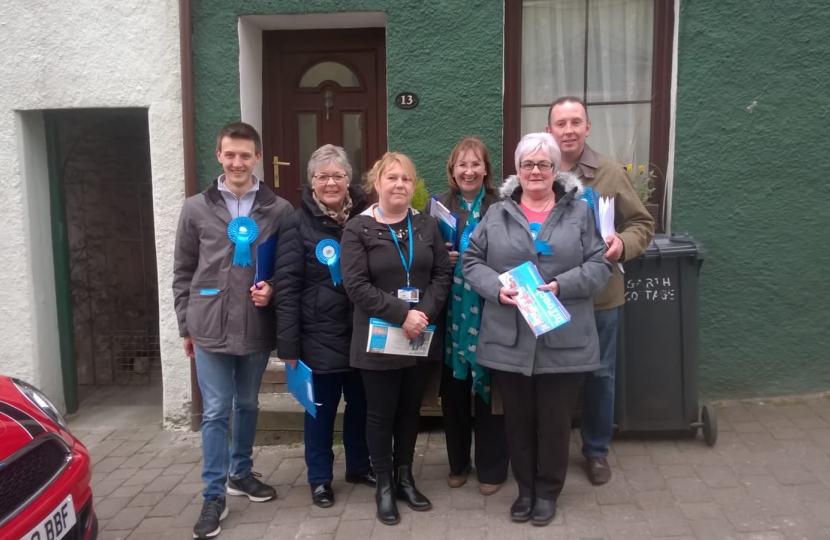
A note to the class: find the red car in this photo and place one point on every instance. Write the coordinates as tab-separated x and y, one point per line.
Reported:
44	470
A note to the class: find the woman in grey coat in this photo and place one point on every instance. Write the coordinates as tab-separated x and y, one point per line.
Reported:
538	378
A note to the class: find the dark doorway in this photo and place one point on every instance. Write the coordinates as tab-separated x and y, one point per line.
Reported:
100	165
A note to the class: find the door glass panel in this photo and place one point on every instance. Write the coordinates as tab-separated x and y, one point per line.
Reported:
329	71
307	135
353	142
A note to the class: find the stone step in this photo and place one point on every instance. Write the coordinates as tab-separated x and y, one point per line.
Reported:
273	380
282	419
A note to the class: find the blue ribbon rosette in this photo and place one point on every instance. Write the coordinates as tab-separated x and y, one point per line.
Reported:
328	253
242	231
465	237
542	248
591	197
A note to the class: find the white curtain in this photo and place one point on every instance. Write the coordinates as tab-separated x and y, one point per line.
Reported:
619	63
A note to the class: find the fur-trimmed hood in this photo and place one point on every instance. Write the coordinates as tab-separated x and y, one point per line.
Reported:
567	181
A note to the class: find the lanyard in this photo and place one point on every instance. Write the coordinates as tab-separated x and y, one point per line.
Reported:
406	266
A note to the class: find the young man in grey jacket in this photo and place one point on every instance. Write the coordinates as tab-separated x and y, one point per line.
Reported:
226	318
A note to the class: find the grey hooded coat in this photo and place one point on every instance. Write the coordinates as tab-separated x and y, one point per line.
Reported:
501	242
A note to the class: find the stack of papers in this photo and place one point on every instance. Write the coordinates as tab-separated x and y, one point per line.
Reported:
385	338
447	222
541	309
605	221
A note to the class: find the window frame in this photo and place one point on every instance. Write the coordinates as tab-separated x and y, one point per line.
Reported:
661	82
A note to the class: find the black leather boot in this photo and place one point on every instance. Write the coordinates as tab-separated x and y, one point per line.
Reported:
521	509
385	499
406	490
543	512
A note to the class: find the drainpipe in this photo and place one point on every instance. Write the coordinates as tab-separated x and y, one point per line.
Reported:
190	184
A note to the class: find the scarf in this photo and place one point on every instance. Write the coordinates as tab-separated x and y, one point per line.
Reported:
464	319
340	216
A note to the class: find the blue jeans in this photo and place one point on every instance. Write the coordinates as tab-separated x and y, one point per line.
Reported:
319	432
598	406
225	381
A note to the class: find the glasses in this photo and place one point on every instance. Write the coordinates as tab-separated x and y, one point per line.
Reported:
529	165
324	178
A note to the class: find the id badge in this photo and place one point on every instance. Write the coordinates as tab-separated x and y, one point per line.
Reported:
409	294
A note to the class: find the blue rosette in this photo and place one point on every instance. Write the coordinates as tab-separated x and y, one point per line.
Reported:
542	248
242	231
464	241
591	197
328	253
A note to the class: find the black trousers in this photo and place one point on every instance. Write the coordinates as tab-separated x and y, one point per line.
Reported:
491	459
537	416
393	413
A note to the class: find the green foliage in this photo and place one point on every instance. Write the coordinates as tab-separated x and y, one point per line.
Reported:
421	195
642	180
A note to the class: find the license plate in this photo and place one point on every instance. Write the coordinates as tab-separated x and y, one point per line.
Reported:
56	525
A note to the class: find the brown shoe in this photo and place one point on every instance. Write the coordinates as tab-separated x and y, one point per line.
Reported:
488	489
456	481
599	472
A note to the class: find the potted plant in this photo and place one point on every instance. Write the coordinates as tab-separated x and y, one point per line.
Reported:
642	180
420	195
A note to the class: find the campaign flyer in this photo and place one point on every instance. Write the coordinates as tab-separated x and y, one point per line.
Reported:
385	338
541	309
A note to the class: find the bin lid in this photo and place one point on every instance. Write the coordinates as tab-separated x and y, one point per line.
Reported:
676	245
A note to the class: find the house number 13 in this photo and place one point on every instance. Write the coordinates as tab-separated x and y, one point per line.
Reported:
406	100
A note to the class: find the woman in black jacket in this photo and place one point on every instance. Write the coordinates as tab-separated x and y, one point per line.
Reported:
314	318
470	179
395	268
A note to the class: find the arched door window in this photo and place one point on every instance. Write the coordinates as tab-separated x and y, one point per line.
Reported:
329	71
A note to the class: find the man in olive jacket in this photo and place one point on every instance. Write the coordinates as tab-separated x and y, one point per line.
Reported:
569	125
225	318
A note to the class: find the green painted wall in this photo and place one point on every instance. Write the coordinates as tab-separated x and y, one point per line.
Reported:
449	53
751	168
745	175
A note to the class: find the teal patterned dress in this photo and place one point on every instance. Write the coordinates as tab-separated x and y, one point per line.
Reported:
464	316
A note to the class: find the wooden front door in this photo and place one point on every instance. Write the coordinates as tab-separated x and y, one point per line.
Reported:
321	87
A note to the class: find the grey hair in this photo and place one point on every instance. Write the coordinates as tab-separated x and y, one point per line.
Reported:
534	142
328	153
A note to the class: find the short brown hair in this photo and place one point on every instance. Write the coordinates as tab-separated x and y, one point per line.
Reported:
239	130
480	150
389	159
567	99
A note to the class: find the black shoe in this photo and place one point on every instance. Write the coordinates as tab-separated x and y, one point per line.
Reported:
521	509
368	479
322	495
543	512
599	472
385	500
406	491
213	511
251	487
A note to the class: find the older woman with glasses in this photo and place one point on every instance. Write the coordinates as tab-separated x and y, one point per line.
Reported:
314	318
540	219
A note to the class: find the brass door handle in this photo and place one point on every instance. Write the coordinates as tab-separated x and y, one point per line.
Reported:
277	164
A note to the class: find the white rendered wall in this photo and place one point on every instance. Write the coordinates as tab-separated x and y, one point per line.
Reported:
43	365
83	54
